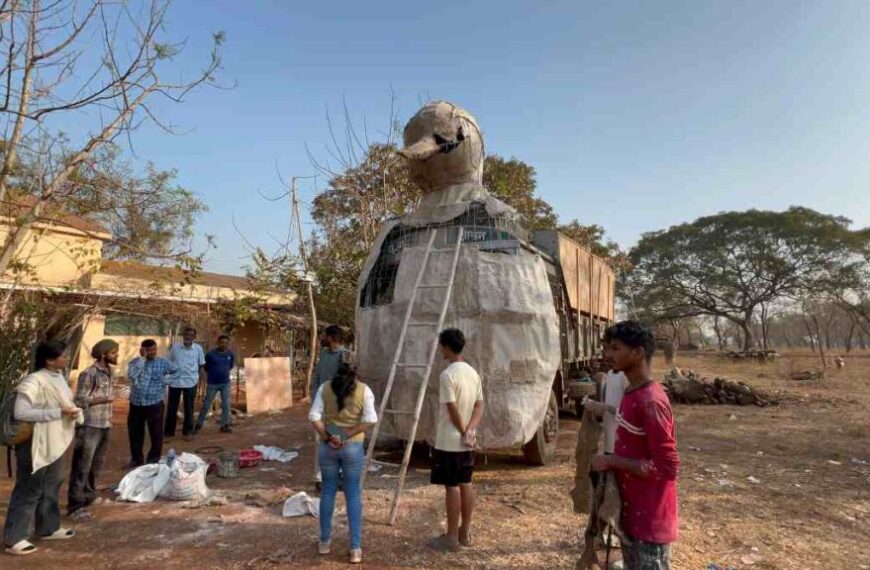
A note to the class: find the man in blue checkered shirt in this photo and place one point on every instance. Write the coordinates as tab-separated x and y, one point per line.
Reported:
148	376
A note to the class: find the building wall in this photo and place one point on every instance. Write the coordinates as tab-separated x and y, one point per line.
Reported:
55	256
94	332
248	340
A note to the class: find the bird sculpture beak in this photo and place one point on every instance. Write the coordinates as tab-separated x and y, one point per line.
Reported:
423	149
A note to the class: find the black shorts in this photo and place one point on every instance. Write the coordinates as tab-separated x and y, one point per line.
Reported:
452	468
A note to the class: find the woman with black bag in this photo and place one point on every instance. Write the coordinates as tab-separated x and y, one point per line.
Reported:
44	399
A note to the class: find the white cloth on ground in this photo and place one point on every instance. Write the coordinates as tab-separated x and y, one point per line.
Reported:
273	453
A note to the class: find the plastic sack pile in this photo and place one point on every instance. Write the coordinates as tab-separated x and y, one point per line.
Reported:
184	480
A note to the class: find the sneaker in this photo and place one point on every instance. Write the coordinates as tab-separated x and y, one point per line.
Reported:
356	556
226	429
323	548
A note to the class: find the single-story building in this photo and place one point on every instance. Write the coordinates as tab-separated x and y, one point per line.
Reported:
129	301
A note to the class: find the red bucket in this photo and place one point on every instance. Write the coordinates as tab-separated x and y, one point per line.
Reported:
249	458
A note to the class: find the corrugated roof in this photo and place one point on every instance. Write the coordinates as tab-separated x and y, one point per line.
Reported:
138	270
20	205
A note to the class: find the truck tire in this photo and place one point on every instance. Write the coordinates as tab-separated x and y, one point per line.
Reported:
541	449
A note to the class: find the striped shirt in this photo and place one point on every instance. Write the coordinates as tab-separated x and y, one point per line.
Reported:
95	382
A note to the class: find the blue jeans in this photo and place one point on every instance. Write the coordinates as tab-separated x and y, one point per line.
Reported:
210	392
345	464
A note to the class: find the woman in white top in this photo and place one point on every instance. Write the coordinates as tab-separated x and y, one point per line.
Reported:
45	400
342	411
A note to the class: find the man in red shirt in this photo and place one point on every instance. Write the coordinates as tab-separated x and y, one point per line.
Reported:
645	457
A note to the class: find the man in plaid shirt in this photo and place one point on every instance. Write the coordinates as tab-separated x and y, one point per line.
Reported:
148	376
94	396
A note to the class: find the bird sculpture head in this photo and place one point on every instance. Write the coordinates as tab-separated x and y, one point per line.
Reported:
444	147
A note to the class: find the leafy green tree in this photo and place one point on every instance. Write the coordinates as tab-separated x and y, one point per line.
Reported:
513	181
729	264
150	216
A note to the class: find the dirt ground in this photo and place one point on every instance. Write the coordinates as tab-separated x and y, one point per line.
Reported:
810	506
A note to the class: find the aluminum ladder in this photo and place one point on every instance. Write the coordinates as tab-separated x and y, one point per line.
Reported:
397	363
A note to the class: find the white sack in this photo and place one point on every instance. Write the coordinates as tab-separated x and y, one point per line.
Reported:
300	505
143	484
187	479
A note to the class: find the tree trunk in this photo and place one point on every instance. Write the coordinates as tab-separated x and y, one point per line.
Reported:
765	326
748	340
719	340
809	332
849	337
822	354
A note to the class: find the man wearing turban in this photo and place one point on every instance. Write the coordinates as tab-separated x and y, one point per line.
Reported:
94	396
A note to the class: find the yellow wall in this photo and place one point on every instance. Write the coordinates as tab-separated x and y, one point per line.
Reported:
94	332
245	341
55	255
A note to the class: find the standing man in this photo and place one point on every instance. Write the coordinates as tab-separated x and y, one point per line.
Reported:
94	396
148	376
645	457
332	354
461	408
189	361
218	363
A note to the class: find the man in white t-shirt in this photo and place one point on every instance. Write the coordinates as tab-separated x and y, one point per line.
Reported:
460	410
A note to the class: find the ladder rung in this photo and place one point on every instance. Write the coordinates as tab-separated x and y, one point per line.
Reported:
438	286
412	365
399	412
423	324
443	249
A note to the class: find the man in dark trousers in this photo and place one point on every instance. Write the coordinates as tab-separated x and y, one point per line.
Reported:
94	395
218	364
189	362
148	376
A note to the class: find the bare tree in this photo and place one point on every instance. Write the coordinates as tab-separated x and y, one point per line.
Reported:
100	60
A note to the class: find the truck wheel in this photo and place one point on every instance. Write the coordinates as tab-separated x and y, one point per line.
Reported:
542	448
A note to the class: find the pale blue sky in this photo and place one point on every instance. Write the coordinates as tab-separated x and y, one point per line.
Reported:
636	115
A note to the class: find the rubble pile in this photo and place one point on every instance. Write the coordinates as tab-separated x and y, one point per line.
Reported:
687	387
761	355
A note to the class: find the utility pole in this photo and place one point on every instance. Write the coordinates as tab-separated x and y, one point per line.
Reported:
309	285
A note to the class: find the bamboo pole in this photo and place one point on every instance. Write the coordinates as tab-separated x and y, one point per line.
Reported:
309	286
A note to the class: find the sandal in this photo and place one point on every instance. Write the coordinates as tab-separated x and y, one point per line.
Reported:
60	534
21	548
